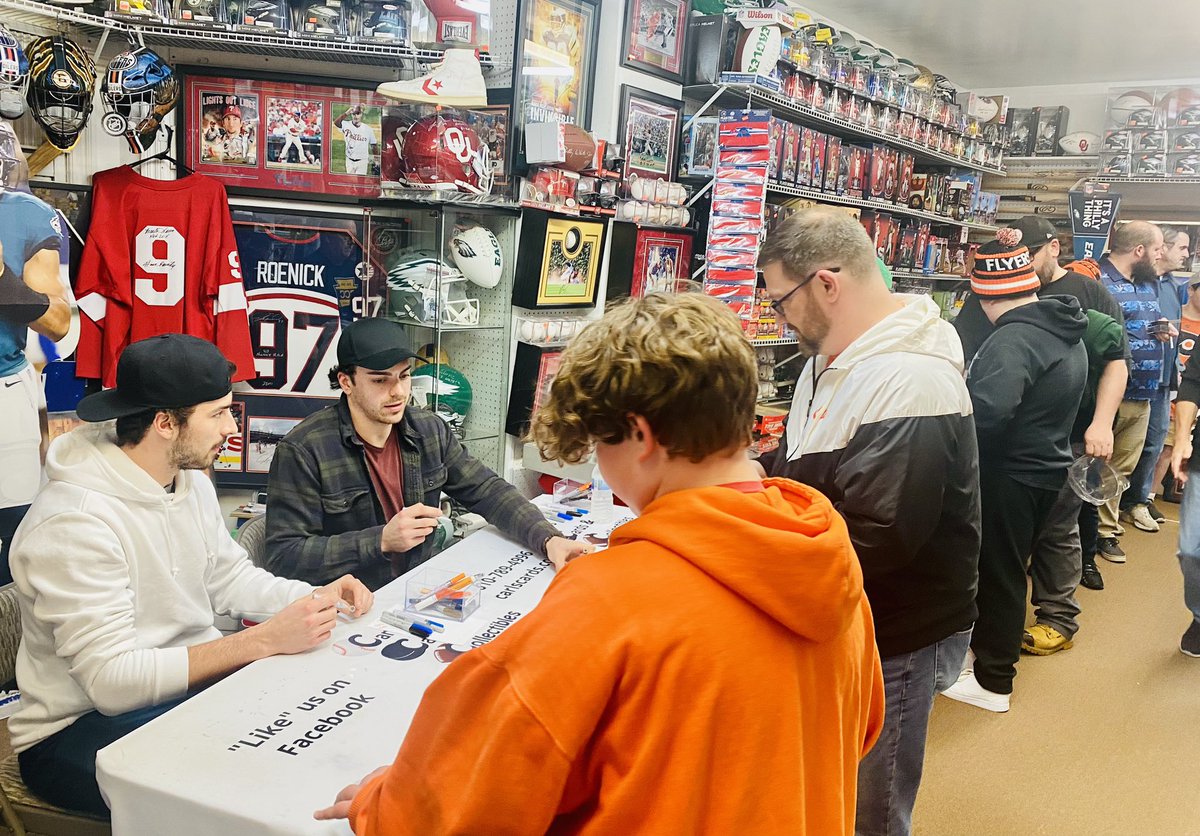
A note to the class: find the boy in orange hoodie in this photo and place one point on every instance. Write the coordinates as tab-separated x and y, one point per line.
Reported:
714	671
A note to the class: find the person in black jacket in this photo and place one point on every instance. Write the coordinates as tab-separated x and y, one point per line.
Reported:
1026	383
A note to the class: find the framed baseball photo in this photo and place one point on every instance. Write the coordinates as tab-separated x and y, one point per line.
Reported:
261	135
555	63
559	261
654	33
649	131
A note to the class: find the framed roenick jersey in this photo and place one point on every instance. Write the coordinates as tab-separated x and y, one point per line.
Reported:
654	33
305	279
261	135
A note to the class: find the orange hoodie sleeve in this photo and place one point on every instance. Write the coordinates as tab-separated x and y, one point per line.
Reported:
494	741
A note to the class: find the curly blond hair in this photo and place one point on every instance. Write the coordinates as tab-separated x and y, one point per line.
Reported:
681	361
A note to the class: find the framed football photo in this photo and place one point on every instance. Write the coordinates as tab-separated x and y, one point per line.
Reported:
649	130
555	64
261	135
654	33
559	261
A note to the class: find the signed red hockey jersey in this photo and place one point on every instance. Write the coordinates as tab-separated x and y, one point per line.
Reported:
160	258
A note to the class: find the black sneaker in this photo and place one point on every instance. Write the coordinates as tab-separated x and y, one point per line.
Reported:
1090	579
1110	549
1189	645
1155	513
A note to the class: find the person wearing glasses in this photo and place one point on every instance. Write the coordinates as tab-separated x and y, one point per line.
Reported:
881	424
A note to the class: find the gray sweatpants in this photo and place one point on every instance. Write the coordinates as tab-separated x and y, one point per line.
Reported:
1056	564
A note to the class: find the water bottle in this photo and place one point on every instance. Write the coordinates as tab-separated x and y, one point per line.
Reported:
602	502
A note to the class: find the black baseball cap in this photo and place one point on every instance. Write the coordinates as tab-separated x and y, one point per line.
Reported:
1036	232
374	343
170	371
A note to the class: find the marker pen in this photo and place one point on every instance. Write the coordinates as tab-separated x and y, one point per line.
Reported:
418	630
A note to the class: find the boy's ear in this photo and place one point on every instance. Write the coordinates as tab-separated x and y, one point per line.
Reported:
640	431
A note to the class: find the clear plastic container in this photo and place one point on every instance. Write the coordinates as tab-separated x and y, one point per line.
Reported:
1095	481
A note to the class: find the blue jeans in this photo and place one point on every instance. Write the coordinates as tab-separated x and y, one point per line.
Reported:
890	774
1141	481
1189	544
62	768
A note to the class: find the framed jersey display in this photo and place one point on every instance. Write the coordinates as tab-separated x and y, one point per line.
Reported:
261	135
305	278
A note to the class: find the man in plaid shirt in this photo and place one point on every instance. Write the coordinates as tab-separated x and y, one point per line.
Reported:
356	487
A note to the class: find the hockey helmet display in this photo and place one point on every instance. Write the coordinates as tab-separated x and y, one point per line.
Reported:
14	76
10	155
444	390
1189	141
138	90
62	79
444	152
1189	116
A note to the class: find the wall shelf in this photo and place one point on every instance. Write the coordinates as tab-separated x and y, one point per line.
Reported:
868	203
742	95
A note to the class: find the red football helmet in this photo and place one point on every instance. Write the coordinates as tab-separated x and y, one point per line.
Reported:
444	152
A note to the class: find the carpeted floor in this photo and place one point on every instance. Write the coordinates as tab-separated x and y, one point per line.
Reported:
1101	739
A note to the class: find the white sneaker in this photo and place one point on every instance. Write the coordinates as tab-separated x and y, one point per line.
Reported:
456	80
968	690
1139	515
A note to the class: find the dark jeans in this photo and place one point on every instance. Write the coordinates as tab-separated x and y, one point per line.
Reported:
1141	481
1013	515
1089	532
890	775
62	768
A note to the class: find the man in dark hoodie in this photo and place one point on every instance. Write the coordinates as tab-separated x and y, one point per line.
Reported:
1025	383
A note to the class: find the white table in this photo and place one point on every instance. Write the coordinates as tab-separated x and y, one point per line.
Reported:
259	751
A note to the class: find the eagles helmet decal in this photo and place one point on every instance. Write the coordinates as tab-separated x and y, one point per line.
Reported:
62	79
14	76
138	90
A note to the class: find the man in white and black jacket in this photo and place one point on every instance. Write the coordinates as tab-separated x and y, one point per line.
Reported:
881	423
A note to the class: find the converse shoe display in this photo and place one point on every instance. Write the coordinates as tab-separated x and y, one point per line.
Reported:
456	80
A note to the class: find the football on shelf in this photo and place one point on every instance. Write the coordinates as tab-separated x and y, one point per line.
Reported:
476	252
579	148
758	50
1080	142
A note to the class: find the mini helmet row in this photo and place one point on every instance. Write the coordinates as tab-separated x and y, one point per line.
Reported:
58	81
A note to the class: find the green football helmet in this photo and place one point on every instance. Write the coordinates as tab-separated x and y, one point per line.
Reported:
444	390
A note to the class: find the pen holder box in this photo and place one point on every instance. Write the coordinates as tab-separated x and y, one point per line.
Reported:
457	604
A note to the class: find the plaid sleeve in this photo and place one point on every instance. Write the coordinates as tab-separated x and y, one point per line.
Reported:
296	547
473	483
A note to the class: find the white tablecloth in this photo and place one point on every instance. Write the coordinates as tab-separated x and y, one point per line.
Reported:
257	752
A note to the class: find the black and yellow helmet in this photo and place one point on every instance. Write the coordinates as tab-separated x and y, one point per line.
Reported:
62	79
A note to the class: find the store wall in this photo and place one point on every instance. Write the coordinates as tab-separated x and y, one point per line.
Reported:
1086	101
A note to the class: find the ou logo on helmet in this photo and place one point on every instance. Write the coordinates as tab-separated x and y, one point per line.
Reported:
456	143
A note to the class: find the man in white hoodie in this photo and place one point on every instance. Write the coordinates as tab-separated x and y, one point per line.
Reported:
122	562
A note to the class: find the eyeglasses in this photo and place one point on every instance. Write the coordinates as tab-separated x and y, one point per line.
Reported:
778	304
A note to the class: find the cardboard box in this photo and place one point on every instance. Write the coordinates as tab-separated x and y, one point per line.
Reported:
819	148
791	152
891	174
878	172
708	48
904	175
804	163
860	156
1051	127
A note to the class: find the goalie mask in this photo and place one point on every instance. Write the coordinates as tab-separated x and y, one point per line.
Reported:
442	152
62	80
14	76
139	89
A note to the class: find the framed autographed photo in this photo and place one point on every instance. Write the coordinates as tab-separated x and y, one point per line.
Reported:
555	63
654	33
263	135
533	372
245	458
650	131
558	263
645	259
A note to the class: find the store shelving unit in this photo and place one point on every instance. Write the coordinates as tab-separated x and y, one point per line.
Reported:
908	275
29	14
750	95
868	203
766	341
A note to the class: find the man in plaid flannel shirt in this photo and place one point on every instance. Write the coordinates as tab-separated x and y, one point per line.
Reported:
356	486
